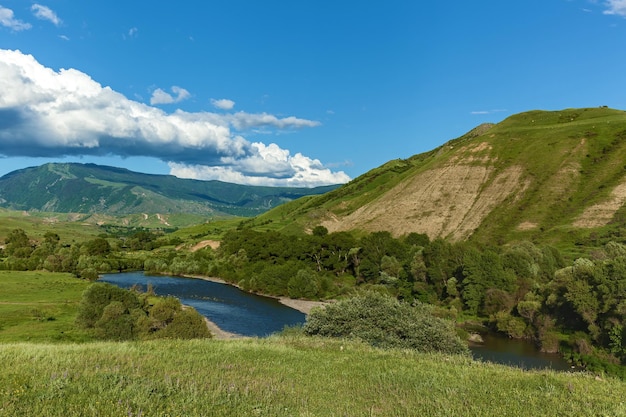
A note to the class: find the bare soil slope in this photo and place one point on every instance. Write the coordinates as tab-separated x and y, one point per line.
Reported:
450	201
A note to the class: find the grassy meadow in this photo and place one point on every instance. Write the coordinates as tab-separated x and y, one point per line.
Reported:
283	376
39	307
288	375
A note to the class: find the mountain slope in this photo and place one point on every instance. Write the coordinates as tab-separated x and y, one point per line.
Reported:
89	188
536	175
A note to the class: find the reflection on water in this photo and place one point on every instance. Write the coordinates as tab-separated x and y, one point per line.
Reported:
519	353
231	309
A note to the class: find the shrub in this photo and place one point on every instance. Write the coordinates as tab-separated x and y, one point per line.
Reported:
114	313
186	324
99	295
385	322
117	322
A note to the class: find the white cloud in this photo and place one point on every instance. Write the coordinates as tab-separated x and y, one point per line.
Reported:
268	165
223	104
48	113
161	97
133	32
245	121
45	13
479	112
617	7
7	19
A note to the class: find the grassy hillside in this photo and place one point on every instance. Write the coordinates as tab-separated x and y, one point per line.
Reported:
552	177
89	188
68	226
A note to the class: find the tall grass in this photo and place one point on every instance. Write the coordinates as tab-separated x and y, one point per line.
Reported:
283	376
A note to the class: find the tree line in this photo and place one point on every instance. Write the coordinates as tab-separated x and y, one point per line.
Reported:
523	290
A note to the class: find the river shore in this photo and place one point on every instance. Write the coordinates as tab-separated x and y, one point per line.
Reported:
304	306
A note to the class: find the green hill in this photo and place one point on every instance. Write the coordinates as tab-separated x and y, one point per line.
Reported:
549	176
89	188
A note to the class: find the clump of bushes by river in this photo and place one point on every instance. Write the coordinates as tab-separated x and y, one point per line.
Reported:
114	313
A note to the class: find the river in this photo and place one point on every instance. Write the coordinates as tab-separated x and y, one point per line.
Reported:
231	309
245	314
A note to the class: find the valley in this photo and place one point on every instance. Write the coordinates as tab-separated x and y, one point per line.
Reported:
517	227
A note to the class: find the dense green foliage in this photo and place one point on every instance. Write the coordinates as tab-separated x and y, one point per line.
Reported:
385	322
114	313
523	290
282	376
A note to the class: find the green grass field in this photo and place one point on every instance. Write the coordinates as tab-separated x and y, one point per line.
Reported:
46	373
39	307
283	376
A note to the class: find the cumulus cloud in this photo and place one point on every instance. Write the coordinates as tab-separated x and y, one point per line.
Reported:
45	13
223	104
268	165
48	113
161	97
617	7
7	19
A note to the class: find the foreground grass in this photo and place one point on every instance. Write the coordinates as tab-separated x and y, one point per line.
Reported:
283	376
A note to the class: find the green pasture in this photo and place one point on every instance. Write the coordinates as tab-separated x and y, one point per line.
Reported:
39	306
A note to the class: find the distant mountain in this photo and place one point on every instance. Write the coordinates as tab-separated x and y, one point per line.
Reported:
90	188
551	176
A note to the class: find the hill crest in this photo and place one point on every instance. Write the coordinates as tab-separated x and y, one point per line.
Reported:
532	176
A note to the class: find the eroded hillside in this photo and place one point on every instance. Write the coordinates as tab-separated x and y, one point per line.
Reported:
447	201
533	175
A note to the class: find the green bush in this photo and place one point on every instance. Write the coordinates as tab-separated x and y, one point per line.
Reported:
187	324
385	322
97	297
113	313
117	322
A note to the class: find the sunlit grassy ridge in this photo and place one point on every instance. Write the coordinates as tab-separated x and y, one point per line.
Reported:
529	177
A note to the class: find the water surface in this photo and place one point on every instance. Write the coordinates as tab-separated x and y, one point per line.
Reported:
518	353
246	314
231	309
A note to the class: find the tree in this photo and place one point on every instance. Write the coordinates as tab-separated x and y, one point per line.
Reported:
303	285
97	246
18	244
186	324
320	231
117	322
97	297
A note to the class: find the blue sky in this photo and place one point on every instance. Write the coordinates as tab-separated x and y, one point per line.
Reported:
297	93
